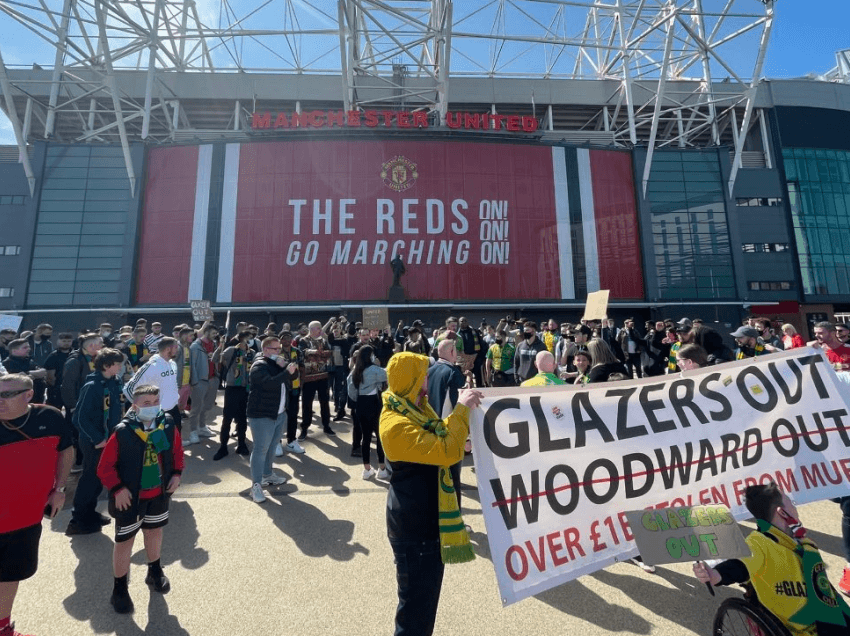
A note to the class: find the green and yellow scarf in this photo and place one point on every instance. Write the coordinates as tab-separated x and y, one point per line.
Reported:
455	546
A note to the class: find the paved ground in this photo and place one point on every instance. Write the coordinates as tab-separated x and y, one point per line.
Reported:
314	559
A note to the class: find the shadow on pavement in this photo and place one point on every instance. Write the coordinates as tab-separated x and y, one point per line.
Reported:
577	600
313	532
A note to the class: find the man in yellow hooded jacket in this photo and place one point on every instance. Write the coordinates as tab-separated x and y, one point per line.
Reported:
424	524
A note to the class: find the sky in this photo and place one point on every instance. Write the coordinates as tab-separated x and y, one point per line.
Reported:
805	37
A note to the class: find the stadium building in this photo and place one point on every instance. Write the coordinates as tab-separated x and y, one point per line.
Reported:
276	161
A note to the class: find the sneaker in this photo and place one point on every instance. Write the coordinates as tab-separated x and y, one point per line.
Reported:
339	415
103	520
356	451
383	474
121	601
329	431
205	431
649	569
274	480
368	473
76	468
295	447
257	493
844	584
75	528
221	453
158	581
278	450
302	435
242	449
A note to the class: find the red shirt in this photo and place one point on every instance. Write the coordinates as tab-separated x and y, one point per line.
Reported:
209	347
839	357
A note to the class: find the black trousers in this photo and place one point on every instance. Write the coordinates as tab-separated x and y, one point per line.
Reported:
419	574
369	414
633	365
235	408
292	404
177	415
309	391
89	486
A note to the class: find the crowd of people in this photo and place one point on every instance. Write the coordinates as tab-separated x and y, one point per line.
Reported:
119	407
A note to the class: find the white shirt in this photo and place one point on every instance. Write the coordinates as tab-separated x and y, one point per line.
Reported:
161	373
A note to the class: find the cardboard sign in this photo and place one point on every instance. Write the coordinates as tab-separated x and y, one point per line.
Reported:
8	321
375	317
201	310
596	307
688	533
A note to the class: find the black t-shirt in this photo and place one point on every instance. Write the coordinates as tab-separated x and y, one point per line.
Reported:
601	372
44	421
56	362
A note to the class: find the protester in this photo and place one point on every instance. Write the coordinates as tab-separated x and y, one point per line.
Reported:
631	344
235	362
499	361
791	339
340	341
293	400
42	347
526	353
137	351
836	351
763	326
141	466
20	361
204	383
473	348
749	343
424	524
96	415
604	362
54	366
415	343
36	454
365	383
583	362
183	364
783	558
269	380
317	354
546	367
153	338
691	356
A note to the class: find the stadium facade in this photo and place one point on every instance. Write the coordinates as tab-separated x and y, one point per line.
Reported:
281	196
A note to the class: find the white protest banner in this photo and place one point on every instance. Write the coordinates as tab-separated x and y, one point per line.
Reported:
7	321
558	466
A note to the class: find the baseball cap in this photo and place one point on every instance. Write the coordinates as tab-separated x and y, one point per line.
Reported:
745	332
685	322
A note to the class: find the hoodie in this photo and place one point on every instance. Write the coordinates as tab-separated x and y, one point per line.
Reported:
98	408
416	454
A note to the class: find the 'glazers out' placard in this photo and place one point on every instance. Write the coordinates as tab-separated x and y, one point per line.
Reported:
688	533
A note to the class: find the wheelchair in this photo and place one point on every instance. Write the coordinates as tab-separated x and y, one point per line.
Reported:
746	617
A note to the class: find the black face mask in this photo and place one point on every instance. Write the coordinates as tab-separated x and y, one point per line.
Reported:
527	335
44	337
499	341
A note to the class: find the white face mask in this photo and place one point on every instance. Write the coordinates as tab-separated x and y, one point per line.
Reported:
273	357
374	359
147	413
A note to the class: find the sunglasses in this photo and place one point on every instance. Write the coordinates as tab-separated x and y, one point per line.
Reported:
10	394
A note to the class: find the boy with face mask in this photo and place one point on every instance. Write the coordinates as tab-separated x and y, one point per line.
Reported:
141	466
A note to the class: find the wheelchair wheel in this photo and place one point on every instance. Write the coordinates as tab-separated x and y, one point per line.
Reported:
739	617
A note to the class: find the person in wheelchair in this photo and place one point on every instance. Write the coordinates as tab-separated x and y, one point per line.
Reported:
785	570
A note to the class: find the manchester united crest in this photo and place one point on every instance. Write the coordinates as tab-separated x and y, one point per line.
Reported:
399	173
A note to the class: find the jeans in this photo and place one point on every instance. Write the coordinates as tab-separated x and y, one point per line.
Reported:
419	573
844	502
310	390
266	433
89	486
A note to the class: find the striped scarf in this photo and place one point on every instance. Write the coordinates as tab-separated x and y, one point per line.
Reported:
454	539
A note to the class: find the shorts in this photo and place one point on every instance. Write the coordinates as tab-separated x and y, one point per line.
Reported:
149	514
19	553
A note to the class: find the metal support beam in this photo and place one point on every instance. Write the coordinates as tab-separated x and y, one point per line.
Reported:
741	136
6	86
61	36
153	39
659	97
116	100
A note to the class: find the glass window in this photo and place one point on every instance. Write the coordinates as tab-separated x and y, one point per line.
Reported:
7	292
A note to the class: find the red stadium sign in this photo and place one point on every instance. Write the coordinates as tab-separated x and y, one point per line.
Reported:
389	119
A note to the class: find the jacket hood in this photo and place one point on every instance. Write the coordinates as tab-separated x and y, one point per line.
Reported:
406	373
